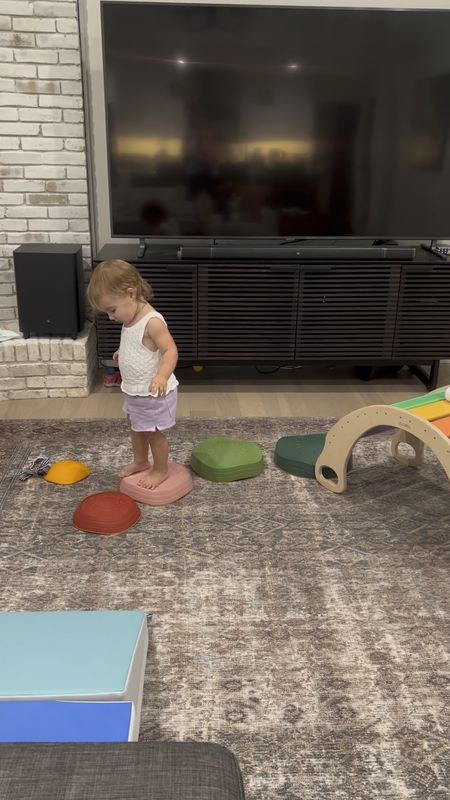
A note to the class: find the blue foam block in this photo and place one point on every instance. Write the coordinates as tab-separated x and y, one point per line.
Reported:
64	721
59	653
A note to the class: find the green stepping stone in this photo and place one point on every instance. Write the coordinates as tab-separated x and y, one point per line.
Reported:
221	459
423	400
298	455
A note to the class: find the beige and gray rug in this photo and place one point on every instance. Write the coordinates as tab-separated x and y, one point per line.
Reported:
306	631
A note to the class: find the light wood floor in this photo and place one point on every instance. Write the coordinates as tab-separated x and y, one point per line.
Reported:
231	392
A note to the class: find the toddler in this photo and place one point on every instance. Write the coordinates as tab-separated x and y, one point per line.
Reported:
147	357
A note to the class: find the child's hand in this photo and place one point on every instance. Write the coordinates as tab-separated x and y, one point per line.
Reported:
158	386
116	356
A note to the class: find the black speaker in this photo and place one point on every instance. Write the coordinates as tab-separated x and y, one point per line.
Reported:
50	289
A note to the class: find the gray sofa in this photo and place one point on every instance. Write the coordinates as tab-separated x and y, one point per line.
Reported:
130	771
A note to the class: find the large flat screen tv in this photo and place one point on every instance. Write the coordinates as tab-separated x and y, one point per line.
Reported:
260	121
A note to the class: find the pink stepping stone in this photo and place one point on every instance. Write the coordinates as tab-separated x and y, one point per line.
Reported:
177	484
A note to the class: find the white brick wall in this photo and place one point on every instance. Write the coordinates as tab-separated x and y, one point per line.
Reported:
46	367
43	184
42	139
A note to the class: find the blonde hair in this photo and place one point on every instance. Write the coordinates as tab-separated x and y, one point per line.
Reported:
115	277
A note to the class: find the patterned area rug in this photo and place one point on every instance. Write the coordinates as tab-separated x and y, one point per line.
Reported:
306	631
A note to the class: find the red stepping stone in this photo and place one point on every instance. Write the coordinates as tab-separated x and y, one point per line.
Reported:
106	513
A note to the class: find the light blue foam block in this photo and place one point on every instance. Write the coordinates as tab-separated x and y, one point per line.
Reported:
62	721
58	653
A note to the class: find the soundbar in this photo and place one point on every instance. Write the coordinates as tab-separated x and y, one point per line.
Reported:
299	253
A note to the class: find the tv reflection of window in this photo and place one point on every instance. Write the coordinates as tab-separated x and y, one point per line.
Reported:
429	122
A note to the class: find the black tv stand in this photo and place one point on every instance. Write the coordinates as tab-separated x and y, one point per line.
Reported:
271	311
369	372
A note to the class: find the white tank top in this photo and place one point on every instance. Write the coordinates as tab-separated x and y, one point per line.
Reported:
138	365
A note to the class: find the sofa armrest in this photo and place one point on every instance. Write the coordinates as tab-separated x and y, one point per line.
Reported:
135	771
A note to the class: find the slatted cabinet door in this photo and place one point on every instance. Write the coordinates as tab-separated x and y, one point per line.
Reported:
347	312
175	297
247	312
257	312
423	314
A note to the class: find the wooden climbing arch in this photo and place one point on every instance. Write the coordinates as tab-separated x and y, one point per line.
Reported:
411	429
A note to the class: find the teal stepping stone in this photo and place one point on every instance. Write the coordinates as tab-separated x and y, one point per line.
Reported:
298	455
221	458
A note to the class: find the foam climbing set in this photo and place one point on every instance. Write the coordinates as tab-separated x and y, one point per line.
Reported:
71	675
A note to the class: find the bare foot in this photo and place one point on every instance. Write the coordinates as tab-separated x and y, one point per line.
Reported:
132	468
152	479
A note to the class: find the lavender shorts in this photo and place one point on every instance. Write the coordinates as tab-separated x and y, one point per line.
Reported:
151	413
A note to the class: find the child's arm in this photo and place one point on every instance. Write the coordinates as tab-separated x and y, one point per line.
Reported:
162	337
